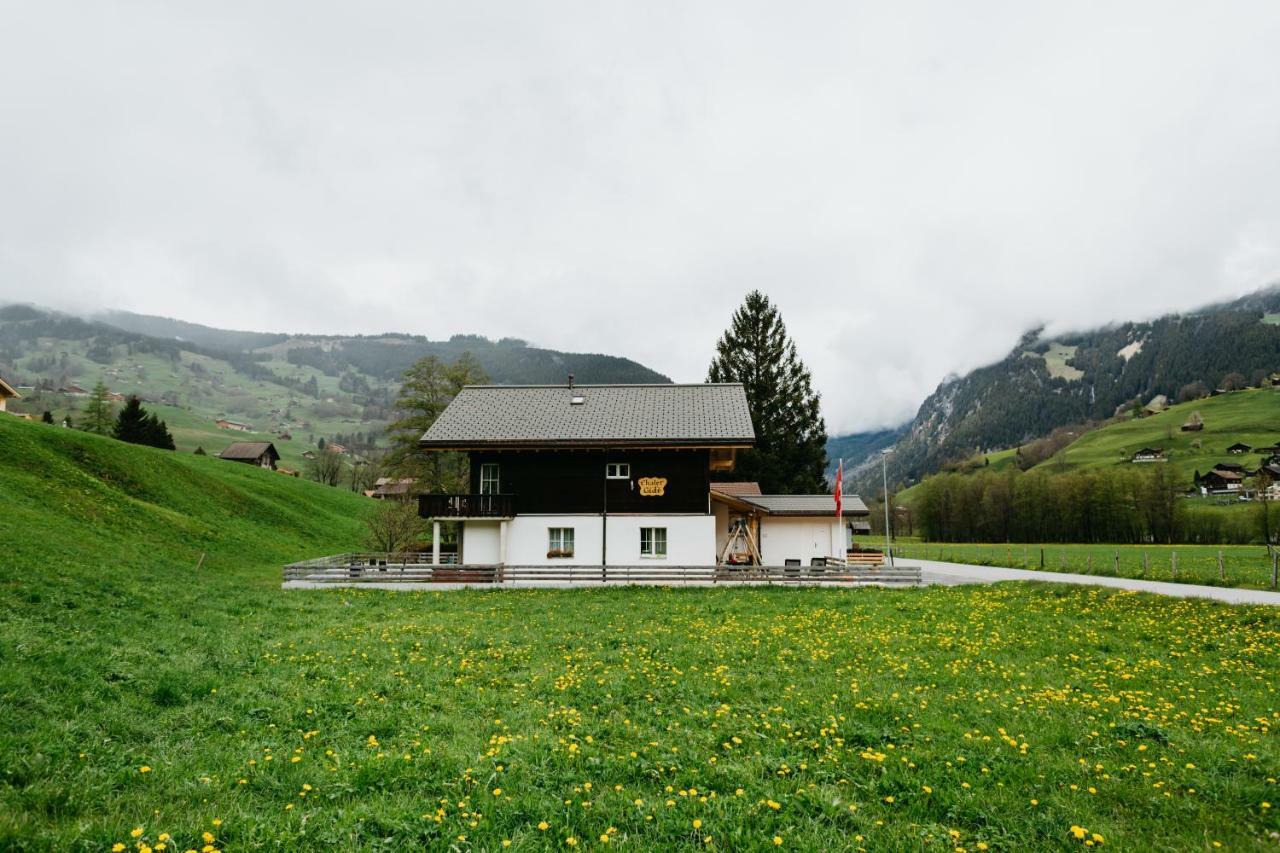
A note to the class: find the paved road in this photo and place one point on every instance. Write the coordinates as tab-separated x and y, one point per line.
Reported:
950	574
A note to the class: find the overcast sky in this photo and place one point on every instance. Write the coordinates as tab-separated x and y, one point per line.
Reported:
915	184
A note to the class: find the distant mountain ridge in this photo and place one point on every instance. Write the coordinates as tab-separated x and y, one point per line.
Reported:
1045	383
295	388
507	361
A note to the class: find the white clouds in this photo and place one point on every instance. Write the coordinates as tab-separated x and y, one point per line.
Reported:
914	185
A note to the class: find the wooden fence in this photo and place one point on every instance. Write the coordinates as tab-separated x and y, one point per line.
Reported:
357	569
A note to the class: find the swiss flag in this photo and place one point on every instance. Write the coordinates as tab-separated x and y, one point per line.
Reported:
839	487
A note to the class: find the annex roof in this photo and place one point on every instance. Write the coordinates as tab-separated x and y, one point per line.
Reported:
533	416
749	487
807	504
248	450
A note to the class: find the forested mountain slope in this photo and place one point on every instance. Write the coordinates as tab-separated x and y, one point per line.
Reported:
1087	376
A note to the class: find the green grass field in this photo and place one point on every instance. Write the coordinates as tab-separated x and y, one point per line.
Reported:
1245	566
148	703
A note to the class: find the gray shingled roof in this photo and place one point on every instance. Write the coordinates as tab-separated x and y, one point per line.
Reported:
247	450
544	415
807	504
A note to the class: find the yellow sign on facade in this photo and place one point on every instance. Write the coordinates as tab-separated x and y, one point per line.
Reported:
653	487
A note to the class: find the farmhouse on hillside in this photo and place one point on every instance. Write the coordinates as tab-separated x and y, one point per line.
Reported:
6	392
1157	405
223	423
1148	454
1239	448
616	475
399	488
1219	481
260	453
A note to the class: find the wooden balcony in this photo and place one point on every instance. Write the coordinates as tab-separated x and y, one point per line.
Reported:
466	506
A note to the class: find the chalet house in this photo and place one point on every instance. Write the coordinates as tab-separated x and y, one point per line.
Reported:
1148	454
6	393
223	423
1218	482
73	391
336	448
1239	448
1192	426
614	475
260	453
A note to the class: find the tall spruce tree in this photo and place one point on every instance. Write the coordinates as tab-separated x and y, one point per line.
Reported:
790	455
135	426
131	423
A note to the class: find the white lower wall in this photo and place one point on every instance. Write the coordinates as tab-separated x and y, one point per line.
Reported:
480	543
691	540
800	538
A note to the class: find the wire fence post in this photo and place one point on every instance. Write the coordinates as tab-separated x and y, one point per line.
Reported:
1222	571
1173	562
1275	563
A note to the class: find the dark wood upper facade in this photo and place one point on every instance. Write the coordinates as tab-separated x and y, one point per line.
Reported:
576	481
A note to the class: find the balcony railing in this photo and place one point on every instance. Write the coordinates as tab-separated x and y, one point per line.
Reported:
466	506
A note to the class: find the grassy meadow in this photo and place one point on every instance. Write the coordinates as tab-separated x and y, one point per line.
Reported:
1244	566
153	706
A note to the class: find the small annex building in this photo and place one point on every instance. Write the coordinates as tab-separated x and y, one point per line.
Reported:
260	453
784	530
612	475
7	392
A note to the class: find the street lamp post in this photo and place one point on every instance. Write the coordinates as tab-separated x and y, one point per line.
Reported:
884	471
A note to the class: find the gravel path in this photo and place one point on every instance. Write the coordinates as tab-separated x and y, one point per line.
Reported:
950	574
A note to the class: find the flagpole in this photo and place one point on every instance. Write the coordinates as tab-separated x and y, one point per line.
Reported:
844	549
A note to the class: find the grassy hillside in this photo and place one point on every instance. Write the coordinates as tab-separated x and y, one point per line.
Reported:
148	703
76	503
1251	417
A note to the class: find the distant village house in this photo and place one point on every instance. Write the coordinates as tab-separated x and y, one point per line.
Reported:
1148	454
399	488
1239	448
1218	482
223	423
6	393
260	453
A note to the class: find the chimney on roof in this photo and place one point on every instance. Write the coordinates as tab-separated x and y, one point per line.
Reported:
570	380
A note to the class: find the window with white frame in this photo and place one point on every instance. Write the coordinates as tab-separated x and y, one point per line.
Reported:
489	478
559	541
618	471
653	541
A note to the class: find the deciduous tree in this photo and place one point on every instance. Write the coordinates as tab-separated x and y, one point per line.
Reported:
428	387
